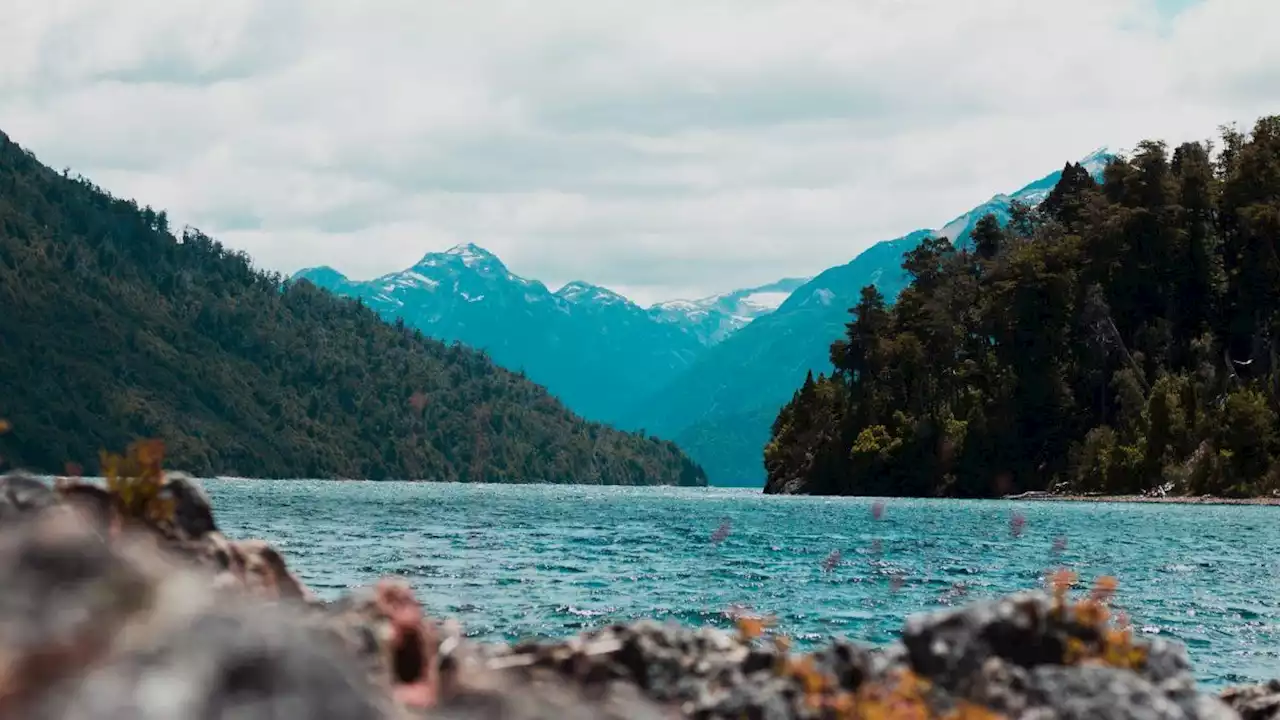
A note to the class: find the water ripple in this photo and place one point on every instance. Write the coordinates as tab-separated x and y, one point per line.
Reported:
536	561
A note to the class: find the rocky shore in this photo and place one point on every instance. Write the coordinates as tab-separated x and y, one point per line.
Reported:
1151	499
126	602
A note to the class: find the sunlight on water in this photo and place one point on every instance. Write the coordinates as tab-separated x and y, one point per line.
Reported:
520	561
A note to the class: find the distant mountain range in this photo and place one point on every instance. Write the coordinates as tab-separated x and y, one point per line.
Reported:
714	318
709	373
595	349
720	409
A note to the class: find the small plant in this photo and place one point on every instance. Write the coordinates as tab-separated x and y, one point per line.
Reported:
1106	640
136	481
750	627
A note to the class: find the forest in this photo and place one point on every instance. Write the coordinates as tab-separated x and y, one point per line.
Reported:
1120	338
114	328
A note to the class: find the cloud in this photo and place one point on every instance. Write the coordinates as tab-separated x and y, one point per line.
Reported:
662	148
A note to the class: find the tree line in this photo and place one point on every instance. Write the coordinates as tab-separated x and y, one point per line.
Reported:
1119	338
112	329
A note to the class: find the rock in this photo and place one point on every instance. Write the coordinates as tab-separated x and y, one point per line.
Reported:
234	661
22	496
1103	693
952	647
176	620
1256	702
193	511
92	630
93	502
265	572
65	595
498	695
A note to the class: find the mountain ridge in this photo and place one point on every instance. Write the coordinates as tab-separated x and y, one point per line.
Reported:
750	375
593	348
115	329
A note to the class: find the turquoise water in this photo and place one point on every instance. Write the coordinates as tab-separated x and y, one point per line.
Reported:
520	561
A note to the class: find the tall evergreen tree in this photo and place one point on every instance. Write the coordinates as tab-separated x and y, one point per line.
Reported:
1120	338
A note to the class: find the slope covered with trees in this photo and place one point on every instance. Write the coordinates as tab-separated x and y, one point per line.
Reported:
111	329
1120	338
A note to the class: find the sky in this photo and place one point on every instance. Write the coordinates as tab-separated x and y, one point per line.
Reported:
661	148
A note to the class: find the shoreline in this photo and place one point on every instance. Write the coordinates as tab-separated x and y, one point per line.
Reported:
1144	499
375	653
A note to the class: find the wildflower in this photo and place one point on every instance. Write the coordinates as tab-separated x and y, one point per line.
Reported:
1091	612
1104	588
831	561
721	532
1059	544
1060	582
750	627
1119	651
418	401
1016	524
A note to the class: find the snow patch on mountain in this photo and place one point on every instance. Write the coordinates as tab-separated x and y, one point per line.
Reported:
769	300
714	318
579	292
470	254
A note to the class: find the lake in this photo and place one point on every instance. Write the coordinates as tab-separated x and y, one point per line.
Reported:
536	560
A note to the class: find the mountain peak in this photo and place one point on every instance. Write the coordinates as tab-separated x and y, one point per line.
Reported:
470	254
321	276
579	291
469	250
1096	161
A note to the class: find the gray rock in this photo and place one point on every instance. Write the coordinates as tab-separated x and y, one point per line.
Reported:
951	647
65	595
94	503
503	696
193	511
1098	693
22	496
239	661
1256	702
89	630
1103	693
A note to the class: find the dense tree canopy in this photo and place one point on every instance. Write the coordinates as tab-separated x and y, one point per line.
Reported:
1119	338
112	329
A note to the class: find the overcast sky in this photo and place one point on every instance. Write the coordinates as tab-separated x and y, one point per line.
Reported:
663	149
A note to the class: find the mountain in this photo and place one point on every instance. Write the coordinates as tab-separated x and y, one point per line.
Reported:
720	409
114	329
596	350
1118	340
714	318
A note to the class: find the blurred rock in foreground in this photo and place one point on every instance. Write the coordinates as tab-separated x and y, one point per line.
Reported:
103	615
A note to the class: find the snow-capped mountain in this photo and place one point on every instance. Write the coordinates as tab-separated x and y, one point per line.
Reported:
712	319
595	349
719	410
1033	194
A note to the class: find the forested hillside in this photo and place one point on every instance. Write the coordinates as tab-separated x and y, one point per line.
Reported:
1119	338
112	329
